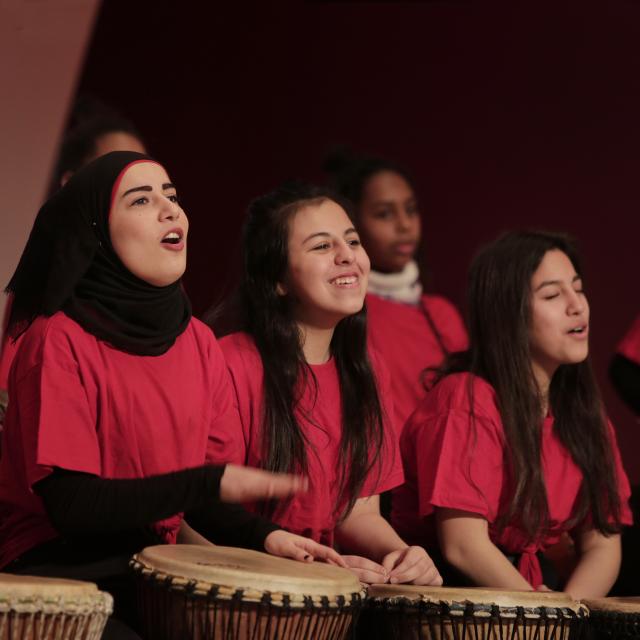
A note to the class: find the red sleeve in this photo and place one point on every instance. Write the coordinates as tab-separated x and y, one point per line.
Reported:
388	473
225	443
630	345
57	421
459	463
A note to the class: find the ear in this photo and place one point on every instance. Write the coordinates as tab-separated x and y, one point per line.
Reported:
281	290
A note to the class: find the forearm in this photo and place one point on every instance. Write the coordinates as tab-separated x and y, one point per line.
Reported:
230	525
466	545
482	562
80	503
188	535
369	535
595	573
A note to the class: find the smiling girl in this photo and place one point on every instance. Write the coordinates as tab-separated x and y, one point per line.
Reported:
510	449
117	394
412	331
309	399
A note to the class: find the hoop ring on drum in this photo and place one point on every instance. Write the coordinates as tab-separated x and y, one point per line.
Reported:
441	613
614	618
51	609
196	592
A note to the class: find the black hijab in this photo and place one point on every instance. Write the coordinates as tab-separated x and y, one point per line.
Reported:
69	264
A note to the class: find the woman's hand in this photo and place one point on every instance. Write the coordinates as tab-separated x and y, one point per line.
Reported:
366	570
244	484
289	545
411	565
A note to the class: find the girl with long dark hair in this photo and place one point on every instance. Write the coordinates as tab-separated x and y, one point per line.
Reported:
411	330
117	394
511	448
308	396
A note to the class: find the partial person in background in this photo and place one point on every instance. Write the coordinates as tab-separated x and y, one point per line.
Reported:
625	368
624	372
511	449
411	330
94	130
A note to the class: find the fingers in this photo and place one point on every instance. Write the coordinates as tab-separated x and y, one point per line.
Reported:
322	552
366	570
542	587
413	565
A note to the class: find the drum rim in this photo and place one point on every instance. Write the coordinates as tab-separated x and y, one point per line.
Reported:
616	604
209	591
329	584
479	601
28	594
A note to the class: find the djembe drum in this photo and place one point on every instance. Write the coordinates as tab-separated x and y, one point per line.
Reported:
197	593
33	608
406	612
614	618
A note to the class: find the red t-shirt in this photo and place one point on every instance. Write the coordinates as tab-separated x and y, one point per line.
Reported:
314	513
403	337
79	404
449	464
8	347
630	345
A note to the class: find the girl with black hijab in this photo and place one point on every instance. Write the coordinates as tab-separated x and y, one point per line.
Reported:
117	393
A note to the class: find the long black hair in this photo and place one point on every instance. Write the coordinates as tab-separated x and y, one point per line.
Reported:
268	317
499	302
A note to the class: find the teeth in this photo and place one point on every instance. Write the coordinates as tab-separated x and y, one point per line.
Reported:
577	330
172	238
349	280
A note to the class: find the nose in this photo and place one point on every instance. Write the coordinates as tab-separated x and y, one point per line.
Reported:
403	220
345	254
170	210
576	303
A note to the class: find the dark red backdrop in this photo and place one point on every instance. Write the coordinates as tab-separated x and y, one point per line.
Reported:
508	117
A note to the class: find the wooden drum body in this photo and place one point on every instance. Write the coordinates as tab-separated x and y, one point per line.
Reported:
614	618
200	593
33	608
439	613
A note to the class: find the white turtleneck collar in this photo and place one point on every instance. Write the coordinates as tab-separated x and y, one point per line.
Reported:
403	286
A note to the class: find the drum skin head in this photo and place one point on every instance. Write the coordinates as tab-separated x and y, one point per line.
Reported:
485	596
245	569
34	586
616	605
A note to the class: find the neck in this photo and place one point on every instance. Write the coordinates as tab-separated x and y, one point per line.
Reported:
316	343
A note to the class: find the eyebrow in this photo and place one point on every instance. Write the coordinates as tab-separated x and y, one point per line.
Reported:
546	283
146	187
326	234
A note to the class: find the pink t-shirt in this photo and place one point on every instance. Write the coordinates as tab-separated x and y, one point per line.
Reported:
314	513
403	337
630	345
448	464
8	347
79	404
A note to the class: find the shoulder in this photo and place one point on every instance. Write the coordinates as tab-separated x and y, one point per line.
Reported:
440	307
240	352
56	341
463	392
58	330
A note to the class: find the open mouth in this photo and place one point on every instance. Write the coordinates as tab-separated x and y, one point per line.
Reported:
173	237
578	330
344	281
